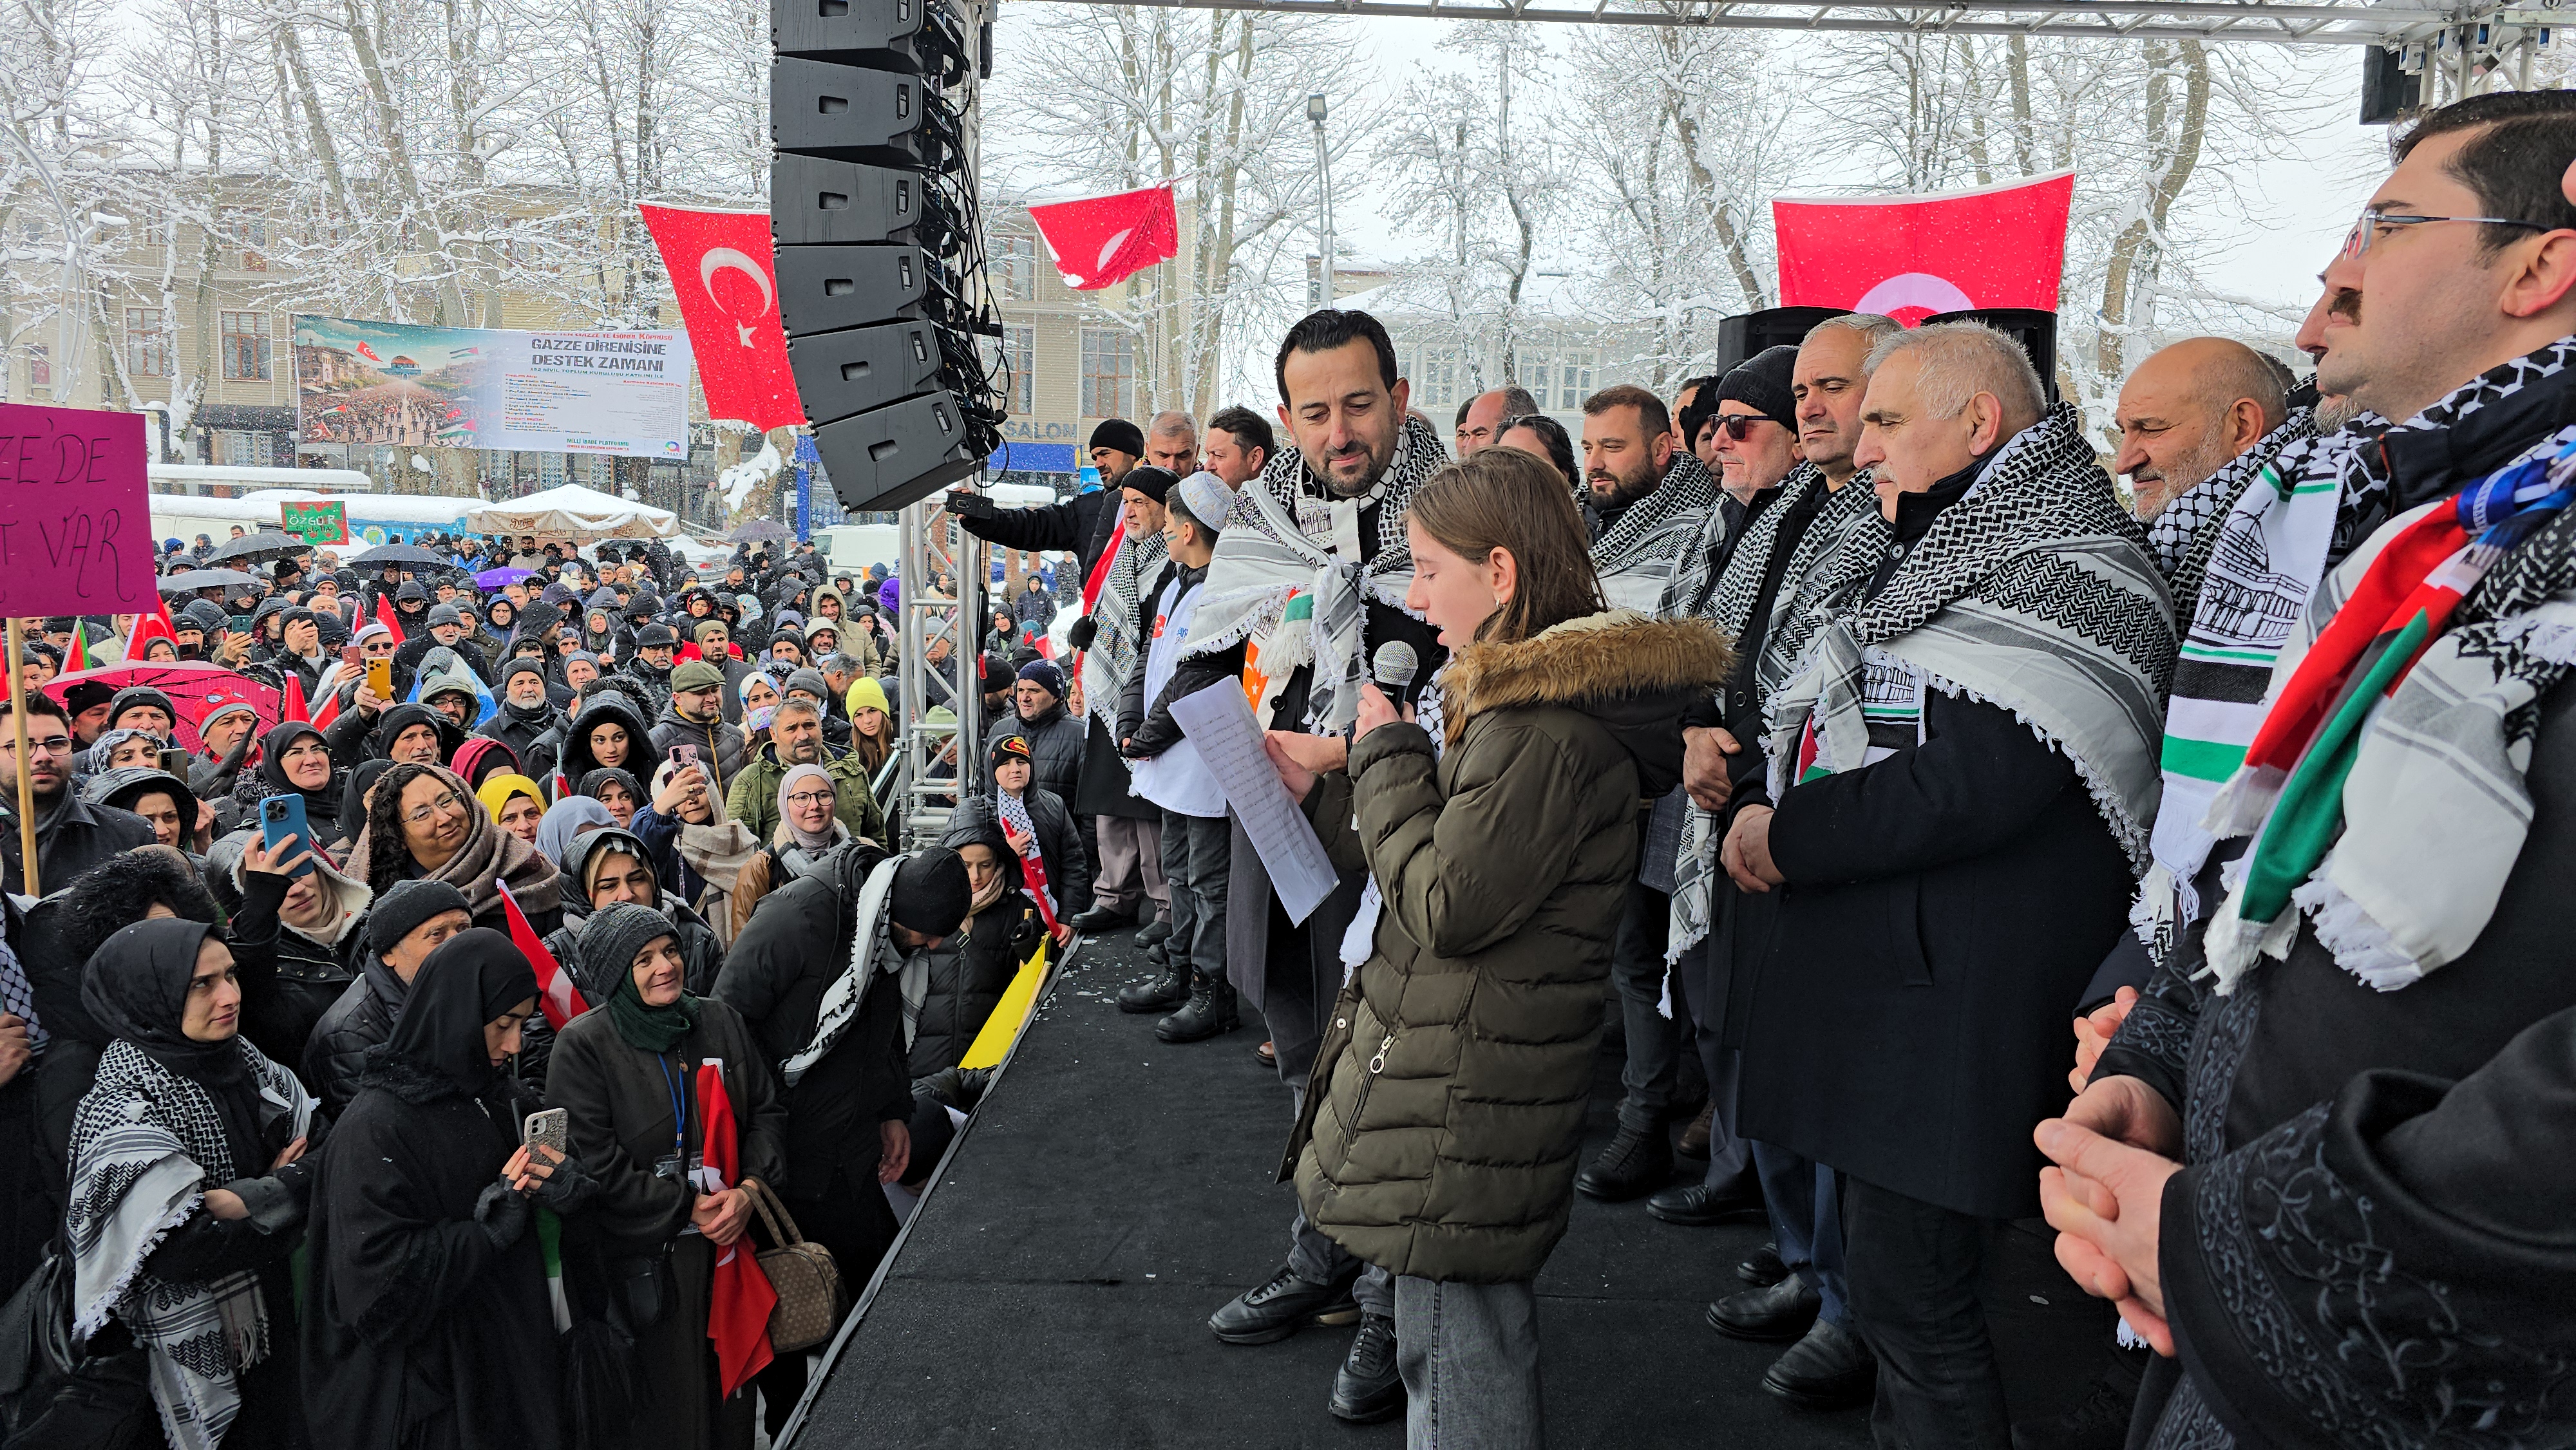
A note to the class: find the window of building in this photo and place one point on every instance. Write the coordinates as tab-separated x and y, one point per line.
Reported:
1108	373
550	470
248	230
147	346
40	367
246	346
1015	258
237	449
1574	379
1438	374
1019	353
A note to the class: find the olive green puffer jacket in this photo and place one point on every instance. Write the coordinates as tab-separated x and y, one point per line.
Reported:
1447	1102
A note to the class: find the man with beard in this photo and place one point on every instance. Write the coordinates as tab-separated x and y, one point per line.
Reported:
89	703
2186	411
650	668
72	835
1642	498
1239	445
695	716
1085	525
1326	517
527	713
299	649
1809	541
1172	444
1128	840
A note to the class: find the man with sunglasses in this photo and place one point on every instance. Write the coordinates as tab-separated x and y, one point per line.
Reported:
72	834
2372	1074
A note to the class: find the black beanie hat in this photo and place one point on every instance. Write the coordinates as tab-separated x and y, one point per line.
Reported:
1154	483
1120	434
1762	381
930	892
521	666
399	912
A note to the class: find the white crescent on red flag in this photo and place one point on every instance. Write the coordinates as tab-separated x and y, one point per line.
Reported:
726	279
1912	256
1101	240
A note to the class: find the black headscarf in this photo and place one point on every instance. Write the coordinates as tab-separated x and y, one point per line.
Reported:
353	796
272	771
472	978
136	989
592	780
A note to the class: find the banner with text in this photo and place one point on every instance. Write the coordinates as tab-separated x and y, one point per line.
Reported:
317	524
75	513
390	383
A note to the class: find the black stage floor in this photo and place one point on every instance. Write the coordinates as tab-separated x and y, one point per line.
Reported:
1114	1190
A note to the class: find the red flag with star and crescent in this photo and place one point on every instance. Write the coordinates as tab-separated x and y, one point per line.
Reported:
1101	240
1911	257
726	279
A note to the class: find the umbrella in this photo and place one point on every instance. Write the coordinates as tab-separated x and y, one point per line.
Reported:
495	578
759	531
192	579
194	688
267	544
386	554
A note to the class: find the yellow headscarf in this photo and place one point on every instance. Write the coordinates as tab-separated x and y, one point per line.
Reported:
496	790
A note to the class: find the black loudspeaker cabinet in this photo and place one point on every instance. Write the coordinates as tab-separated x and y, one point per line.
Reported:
858	368
1740	338
2034	329
824	289
2387	91
813	201
844	113
898	454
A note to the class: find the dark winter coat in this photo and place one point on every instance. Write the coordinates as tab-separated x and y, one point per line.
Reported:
525	732
719	745
973	967
1447	1100
1055	749
753	797
794	947
1084	525
1060	842
573	755
335	1057
70	838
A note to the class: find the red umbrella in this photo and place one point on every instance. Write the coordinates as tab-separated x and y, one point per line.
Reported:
195	690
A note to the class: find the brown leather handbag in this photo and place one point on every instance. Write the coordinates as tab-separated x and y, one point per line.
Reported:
808	1283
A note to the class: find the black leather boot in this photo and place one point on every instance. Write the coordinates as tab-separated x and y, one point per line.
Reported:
1099	919
1367	1388
1209	1012
1157	930
1168	988
1634	1164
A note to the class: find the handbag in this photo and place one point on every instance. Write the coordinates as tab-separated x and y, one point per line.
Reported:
808	1283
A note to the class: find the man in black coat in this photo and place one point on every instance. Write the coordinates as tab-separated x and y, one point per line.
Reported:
1056	739
777	975
526	715
694	716
404	926
72	835
1084	525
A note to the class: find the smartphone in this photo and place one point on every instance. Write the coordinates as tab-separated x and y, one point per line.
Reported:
550	1128
175	761
282	829
380	677
684	755
238	624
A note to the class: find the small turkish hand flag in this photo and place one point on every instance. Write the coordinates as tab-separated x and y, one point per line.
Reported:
726	278
1104	239
1909	257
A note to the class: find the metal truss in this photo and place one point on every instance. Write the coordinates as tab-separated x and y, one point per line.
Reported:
2274	22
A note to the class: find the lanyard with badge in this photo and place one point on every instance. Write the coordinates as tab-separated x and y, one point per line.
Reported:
670	1164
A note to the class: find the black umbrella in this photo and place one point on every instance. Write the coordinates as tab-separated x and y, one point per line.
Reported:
267	544
759	531
384	554
188	580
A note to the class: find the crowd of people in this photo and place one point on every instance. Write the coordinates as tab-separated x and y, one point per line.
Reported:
1964	844
544	835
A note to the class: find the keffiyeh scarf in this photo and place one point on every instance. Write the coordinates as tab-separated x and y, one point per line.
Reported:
2184	534
1013	812
1125	574
868	943
2384	790
1637	556
1290	537
146	1145
2031	593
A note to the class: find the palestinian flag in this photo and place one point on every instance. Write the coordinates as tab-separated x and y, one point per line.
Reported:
80	649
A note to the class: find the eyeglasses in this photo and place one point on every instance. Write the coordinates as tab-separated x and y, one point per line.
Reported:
810	798
2365	231
446	802
1738	426
41	745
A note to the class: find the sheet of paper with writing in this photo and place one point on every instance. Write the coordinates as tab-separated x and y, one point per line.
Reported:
1219	722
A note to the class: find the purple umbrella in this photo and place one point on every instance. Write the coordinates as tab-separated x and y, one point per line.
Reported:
495	578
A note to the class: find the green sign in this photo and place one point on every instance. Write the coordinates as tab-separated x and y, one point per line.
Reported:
316	523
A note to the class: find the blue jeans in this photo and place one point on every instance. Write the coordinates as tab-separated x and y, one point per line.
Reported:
1468	1354
1804	1198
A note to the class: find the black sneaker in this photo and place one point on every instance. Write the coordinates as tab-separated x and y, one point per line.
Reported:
1281	1307
1634	1165
1367	1389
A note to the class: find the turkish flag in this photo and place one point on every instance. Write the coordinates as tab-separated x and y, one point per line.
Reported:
1912	256
294	709
1104	239
740	1300
727	282
557	995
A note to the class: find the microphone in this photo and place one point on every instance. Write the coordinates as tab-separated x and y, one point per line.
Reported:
1394	665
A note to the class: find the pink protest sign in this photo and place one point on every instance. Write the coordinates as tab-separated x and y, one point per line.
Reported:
75	512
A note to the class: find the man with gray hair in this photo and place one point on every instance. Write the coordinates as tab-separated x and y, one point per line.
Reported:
1172	441
1961	777
1480	422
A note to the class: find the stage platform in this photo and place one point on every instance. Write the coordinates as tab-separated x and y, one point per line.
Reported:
1053	1289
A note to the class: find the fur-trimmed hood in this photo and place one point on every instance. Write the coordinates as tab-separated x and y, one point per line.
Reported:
1629	671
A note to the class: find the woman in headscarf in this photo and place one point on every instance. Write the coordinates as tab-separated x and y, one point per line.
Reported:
973	967
358	794
628	1074
481	757
116	749
599	621
427	1324
807	831
427	825
186	1187
566	820
616	789
608	731
516	804
295	760
698	851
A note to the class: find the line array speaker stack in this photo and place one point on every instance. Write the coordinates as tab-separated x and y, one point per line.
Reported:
881	279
